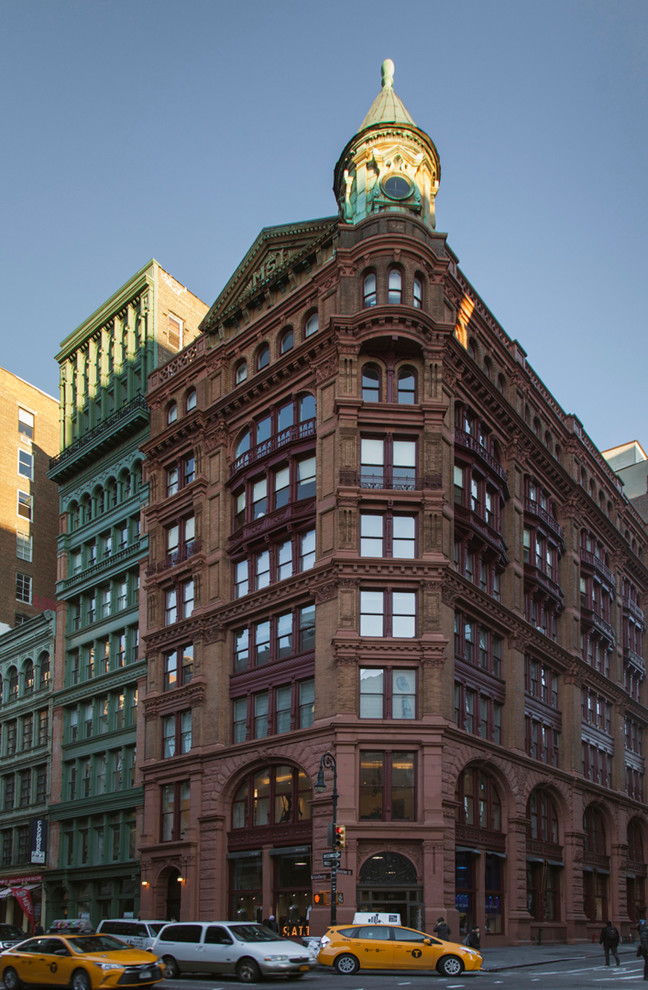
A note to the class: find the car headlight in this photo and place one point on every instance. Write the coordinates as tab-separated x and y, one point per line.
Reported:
325	940
276	958
109	965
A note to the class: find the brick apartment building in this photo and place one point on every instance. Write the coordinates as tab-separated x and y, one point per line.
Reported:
374	534
29	420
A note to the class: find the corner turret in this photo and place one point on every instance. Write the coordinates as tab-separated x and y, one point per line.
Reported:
389	165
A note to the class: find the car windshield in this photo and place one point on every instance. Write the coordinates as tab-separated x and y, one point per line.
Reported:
96	943
157	927
254	933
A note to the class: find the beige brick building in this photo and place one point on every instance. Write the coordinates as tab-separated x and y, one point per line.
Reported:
29	421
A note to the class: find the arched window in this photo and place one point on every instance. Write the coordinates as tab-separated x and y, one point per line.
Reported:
1	687
263	357
279	795
13	683
406	387
501	383
306	407
371	391
635	842
28	673
417	294
44	666
190	400
241	372
395	286
369	297
287	341
243	444
312	325
472	348
172	412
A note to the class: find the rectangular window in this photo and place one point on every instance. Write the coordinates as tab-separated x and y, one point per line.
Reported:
262	568
23	588
281	487
171	607
175	332
284	560
178	667
25	505
306	703
175	810
187	598
241	648
24	546
25	424
307	628
259	498
388	613
241	582
283	697
306	478
387	785
261	715
239	733
26	464
176	734
261	642
307	550
387	693
284	635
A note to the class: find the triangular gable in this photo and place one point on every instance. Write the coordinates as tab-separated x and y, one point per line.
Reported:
274	252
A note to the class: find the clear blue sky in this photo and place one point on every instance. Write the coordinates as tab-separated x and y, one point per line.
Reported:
177	129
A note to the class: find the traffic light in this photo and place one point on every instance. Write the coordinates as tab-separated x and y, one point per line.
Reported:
321	897
340	837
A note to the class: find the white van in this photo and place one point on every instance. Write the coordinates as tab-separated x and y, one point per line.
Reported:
245	948
137	933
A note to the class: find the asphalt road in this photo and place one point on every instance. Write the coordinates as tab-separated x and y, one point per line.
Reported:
581	974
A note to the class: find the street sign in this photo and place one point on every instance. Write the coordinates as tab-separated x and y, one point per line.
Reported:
346	873
321	876
331	858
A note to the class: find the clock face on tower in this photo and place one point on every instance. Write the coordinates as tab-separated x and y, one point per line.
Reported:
397	186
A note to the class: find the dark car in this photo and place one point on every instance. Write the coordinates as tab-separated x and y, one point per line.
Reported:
11	935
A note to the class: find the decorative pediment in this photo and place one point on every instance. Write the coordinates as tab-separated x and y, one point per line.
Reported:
274	254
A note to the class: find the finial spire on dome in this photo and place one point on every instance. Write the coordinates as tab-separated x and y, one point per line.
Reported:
387	108
387	73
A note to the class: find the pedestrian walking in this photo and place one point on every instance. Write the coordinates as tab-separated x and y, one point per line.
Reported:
610	940
474	939
642	948
442	928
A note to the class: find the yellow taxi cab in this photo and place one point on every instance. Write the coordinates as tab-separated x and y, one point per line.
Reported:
352	947
82	962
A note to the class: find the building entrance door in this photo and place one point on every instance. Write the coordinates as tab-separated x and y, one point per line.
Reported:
388	883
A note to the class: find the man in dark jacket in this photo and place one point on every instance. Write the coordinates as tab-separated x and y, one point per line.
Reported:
442	928
609	940
642	948
474	939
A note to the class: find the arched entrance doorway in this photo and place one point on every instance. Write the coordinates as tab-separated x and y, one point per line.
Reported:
388	883
172	887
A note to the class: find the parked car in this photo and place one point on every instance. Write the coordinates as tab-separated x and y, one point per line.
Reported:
245	948
10	935
82	962
351	947
137	932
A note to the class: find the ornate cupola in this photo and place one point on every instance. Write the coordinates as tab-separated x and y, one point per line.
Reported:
390	164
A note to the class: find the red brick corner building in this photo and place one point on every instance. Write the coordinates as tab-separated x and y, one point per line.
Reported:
380	549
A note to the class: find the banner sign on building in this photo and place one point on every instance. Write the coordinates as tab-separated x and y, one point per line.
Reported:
38	840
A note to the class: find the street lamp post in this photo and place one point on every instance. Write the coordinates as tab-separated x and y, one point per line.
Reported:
328	762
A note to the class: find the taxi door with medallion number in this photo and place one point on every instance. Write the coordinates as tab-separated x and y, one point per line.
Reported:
52	962
376	949
414	950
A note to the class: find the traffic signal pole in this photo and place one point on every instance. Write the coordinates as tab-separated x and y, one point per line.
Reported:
328	762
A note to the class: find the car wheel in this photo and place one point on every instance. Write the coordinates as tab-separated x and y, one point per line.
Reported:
347	964
248	971
81	980
10	978
171	970
450	966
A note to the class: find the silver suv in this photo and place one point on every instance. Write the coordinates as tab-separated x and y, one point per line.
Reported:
247	949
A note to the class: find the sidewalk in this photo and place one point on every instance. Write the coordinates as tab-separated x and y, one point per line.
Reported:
515	956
